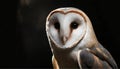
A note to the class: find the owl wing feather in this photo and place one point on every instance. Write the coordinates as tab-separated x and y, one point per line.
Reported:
54	62
97	57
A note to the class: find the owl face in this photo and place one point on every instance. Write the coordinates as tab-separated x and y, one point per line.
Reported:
66	27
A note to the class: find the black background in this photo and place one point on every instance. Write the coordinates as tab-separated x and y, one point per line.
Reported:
30	48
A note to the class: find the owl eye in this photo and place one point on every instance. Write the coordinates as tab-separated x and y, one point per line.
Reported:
57	25
74	25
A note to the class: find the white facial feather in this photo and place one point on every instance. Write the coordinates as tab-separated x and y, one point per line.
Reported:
65	36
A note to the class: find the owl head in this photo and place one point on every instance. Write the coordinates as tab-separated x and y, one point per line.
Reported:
69	27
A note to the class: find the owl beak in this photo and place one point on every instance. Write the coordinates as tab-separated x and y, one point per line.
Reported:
64	39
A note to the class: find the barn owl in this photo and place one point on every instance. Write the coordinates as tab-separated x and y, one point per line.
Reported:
73	42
